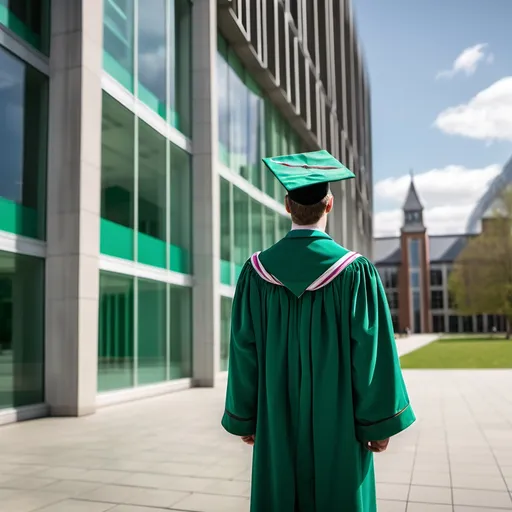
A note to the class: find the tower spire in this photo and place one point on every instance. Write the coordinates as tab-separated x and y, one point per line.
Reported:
413	209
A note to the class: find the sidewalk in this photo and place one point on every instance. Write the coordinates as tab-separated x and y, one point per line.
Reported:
414	342
170	453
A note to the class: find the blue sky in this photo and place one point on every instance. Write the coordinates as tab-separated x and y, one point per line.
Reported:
407	44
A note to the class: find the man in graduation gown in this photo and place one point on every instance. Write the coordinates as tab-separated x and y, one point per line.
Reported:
314	379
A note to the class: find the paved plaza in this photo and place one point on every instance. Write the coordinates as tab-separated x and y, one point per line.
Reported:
169	453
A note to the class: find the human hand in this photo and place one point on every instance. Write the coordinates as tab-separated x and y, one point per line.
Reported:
249	440
378	446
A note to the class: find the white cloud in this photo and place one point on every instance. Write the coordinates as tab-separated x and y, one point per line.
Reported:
467	62
448	195
487	116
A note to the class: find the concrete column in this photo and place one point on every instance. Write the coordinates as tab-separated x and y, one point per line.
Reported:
206	200
74	181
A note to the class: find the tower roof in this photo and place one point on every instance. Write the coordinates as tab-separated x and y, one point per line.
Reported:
412	201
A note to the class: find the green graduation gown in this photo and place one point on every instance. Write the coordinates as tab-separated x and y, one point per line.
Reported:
314	374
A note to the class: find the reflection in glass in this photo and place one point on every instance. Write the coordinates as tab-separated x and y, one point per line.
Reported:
241	241
269	227
117	179
255	131
414	253
152	332
416	307
225	231
152	55
29	19
256	226
223	101
238	129
115	339
152	197
225	332
181	333
21	330
181	65
284	225
415	279
23	145
118	36
181	211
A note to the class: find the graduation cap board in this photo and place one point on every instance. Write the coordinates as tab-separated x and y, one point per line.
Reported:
306	176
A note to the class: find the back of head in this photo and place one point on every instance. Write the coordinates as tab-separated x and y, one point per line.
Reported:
307	215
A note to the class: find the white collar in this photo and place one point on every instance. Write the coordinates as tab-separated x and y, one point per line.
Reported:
311	227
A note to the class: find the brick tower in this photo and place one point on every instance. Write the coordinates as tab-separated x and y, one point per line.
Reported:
414	276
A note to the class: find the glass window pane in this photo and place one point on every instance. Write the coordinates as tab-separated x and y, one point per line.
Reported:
225	232
21	330
181	68
23	146
152	197
225	331
238	102
415	279
270	227
181	333
116	335
117	180
254	120
256	226
181	211
152	56
284	225
241	242
223	104
414	253
270	146
152	332
29	19
118	31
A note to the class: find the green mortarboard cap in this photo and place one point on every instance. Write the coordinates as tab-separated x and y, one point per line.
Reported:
306	176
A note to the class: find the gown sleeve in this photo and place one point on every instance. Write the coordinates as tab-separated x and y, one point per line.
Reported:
242	393
381	402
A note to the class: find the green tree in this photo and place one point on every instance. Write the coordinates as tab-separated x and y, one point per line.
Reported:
481	281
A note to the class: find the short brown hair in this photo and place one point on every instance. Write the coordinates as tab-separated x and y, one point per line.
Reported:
307	215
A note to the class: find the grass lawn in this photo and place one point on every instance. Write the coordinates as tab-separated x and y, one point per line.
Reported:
459	352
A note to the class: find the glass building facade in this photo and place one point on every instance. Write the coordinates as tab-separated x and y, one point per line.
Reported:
101	201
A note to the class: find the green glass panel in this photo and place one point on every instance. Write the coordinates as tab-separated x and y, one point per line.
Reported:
181	332
118	37
116	240
180	260
152	58
270	146
152	197
17	219
284	225
269	227
225	272
152	332
117	179
256	226
151	251
116	334
29	19
180	12
242	228
254	120
21	330
23	148
225	331
181	210
225	220
238	271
